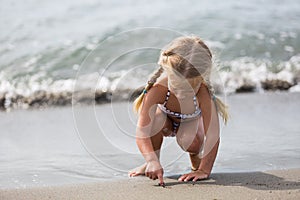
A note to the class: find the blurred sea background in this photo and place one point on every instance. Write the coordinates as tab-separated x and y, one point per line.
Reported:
44	43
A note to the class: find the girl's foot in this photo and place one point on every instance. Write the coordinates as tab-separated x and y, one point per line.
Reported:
138	171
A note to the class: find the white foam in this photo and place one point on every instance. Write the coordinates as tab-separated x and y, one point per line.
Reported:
234	74
295	88
249	71
289	48
215	44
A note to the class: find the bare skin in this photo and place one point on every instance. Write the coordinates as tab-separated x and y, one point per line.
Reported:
140	170
194	158
152	167
195	161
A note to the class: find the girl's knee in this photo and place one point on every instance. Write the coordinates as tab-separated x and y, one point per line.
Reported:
194	148
188	144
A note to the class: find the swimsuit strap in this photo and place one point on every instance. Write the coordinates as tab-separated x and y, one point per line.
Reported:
167	97
195	103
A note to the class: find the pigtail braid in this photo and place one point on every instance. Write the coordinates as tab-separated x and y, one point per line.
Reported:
222	108
137	103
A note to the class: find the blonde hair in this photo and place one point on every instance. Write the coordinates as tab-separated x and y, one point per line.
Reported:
137	103
191	58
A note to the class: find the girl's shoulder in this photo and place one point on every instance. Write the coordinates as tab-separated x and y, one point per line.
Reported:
203	94
161	85
162	82
158	92
203	90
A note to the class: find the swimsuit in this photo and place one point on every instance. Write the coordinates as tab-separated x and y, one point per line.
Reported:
177	115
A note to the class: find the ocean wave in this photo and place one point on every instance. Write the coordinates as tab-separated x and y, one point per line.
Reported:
247	74
243	74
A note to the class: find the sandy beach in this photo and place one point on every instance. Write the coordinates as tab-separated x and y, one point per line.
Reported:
281	184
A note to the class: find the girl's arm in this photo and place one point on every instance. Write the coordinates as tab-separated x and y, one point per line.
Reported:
144	132
211	130
145	124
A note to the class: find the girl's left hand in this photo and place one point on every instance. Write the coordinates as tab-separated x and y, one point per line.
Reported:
194	176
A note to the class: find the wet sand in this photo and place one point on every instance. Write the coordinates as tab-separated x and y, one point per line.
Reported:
280	184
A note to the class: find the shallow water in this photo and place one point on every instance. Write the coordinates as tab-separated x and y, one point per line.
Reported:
46	147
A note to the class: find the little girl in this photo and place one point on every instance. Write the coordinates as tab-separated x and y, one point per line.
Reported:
180	104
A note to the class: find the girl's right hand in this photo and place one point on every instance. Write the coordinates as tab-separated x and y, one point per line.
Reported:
154	171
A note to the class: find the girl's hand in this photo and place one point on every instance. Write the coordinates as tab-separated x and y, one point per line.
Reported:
195	175
155	171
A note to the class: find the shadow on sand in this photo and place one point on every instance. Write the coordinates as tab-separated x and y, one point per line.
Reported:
252	180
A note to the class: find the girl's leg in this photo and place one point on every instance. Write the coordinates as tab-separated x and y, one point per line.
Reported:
195	158
160	125
190	142
195	161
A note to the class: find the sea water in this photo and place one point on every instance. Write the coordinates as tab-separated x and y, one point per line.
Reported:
43	44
